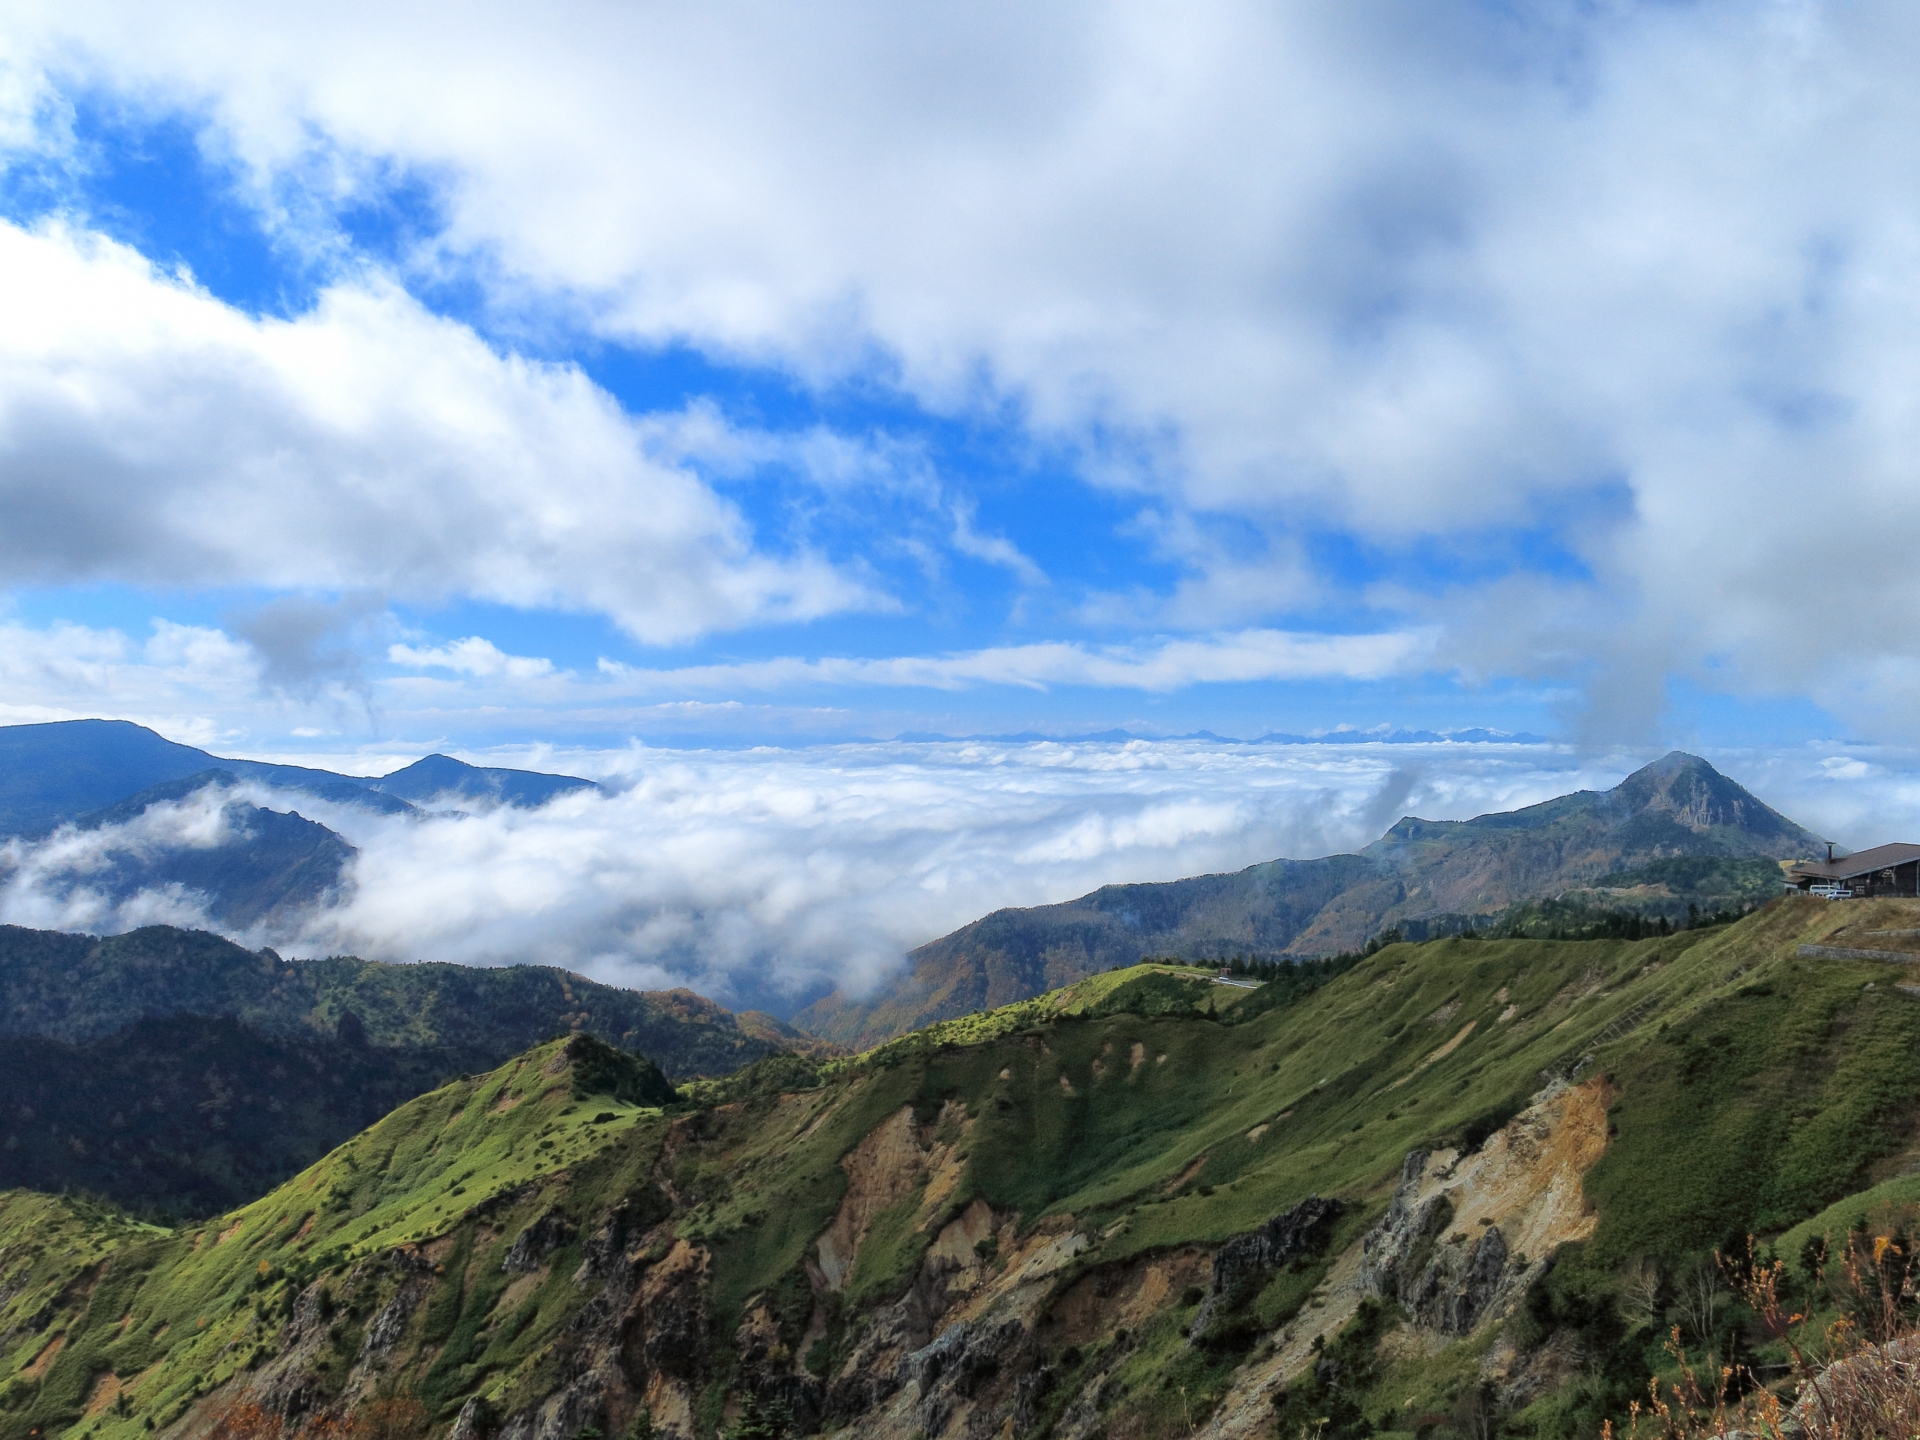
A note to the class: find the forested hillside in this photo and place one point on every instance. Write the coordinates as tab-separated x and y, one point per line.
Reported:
176	1073
83	987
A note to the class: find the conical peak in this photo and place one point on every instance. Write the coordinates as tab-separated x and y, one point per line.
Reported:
1687	789
432	765
1675	774
1674	762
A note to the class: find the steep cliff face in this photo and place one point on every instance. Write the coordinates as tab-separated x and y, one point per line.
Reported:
1463	1238
992	1325
1465	1234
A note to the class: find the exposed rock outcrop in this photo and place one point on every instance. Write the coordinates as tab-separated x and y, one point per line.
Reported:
966	1360
474	1422
1462	1239
387	1327
531	1247
579	1405
1443	1249
1246	1260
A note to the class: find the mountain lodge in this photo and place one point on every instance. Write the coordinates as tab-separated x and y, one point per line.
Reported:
1883	870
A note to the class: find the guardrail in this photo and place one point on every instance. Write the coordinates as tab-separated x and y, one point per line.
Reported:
1847	952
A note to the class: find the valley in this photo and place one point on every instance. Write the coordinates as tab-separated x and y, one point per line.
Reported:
175	1073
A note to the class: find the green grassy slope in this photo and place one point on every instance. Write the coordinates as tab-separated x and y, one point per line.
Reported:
187	1311
1756	1088
176	1073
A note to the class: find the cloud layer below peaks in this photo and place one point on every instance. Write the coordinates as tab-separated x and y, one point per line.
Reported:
763	874
758	873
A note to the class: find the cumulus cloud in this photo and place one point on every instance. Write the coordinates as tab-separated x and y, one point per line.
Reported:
190	682
152	434
1632	280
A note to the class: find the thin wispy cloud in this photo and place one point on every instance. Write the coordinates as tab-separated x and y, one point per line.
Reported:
1167	664
471	656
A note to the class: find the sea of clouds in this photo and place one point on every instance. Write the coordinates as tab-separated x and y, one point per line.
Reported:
761	877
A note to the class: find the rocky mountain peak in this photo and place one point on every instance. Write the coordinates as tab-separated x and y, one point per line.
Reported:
1690	792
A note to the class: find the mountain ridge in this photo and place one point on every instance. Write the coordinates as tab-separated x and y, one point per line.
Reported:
1418	874
78	988
176	1072
1454	1189
264	865
60	770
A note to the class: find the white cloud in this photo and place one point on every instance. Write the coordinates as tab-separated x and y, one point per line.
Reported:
748	873
1636	277
202	686
191	683
149	433
68	880
1162	665
752	871
472	656
993	549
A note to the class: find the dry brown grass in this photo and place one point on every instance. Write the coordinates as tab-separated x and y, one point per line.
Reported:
1854	1378
400	1417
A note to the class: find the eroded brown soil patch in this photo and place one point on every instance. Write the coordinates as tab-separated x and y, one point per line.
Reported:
37	1368
1122	1297
106	1390
882	1170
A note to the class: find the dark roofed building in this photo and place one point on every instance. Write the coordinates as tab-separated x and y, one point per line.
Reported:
1883	870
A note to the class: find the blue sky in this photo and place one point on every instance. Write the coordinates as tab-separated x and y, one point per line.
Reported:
699	397
621	374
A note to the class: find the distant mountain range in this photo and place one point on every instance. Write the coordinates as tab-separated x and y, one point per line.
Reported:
1473	735
265	865
1638	844
1673	835
176	1072
70	769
